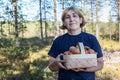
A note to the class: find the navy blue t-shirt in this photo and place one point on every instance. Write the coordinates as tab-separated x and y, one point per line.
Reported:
63	43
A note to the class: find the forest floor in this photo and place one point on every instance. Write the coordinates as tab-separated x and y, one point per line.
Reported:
111	56
14	66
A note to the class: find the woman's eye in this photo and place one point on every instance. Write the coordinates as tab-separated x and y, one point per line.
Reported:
67	17
74	15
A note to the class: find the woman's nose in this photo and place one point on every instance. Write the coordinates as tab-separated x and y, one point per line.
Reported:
71	18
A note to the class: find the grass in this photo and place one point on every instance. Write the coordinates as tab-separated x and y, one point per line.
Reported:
110	45
109	72
33	66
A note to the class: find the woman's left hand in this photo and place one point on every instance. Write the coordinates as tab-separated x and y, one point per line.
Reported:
100	63
78	69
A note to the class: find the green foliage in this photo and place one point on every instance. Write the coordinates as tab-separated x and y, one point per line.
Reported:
4	43
30	41
15	62
29	61
109	72
110	45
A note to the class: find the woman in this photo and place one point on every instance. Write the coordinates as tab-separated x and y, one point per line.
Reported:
73	21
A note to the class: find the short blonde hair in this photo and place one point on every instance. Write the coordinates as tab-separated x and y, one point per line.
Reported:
77	11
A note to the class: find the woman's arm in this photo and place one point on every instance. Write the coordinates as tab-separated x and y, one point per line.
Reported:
99	66
55	64
52	65
100	63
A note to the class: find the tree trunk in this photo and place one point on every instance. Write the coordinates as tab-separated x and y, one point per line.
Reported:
63	4
110	25
41	27
15	15
16	24
46	36
1	29
97	18
92	17
119	18
55	20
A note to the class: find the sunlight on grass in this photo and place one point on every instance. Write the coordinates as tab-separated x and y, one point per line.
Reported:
16	72
2	57
42	54
35	65
110	72
110	45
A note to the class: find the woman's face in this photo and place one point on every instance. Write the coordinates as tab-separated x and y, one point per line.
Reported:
72	20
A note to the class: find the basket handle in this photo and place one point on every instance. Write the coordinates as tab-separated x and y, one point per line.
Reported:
81	47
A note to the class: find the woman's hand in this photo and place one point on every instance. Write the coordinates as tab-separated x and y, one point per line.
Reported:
100	63
56	63
99	66
78	69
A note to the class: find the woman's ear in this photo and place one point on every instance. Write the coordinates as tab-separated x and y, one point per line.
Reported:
80	20
64	24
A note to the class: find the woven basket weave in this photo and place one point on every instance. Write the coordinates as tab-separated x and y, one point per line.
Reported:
80	60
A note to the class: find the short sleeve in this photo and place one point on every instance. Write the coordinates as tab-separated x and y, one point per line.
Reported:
97	47
53	52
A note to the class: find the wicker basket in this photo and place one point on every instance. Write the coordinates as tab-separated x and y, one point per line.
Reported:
80	60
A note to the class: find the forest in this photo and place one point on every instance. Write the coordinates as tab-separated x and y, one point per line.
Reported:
28	28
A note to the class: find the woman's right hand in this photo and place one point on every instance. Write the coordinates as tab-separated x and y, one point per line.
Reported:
78	69
55	63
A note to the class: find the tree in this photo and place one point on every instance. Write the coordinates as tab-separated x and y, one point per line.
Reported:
45	20
55	19
15	16
97	18
119	18
92	14
41	27
47	8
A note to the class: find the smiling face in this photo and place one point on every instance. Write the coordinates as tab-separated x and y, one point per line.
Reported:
72	20
72	16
